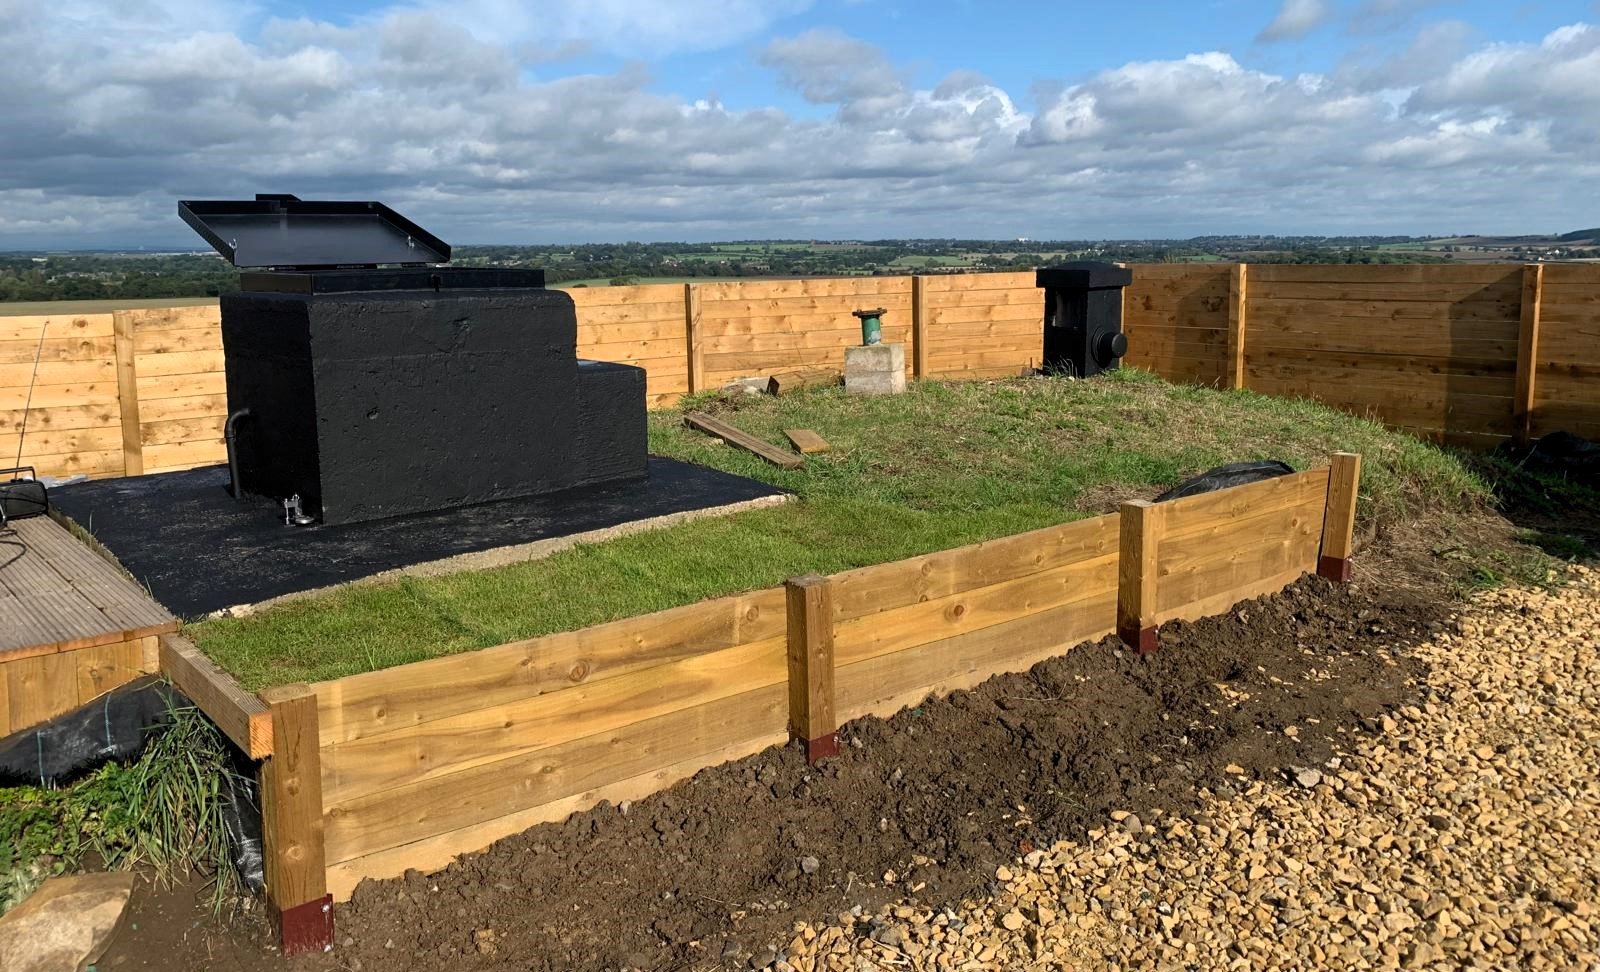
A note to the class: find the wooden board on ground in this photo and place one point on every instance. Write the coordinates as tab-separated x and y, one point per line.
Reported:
807	441
743	440
787	382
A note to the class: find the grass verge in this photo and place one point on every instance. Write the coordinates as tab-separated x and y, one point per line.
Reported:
944	465
163	810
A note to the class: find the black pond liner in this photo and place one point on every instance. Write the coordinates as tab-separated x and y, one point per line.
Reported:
1223	477
117	727
1570	456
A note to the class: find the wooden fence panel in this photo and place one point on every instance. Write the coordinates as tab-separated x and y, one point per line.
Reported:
183	399
75	423
983	325
760	327
1567	370
1431	349
641	326
1176	318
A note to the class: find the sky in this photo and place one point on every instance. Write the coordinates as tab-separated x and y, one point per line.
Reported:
496	121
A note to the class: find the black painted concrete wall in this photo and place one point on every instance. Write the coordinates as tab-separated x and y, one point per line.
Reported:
378	404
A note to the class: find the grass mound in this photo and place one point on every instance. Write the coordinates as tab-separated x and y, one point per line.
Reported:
944	465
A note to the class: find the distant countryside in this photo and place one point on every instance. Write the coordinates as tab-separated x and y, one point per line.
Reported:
168	276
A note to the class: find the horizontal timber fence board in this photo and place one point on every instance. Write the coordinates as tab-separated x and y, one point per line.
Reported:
1465	353
423	762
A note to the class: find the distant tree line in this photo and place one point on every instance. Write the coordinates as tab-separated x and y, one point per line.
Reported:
89	276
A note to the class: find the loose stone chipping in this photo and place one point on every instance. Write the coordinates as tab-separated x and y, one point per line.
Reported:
1462	832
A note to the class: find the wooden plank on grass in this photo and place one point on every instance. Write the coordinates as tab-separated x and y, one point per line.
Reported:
807	441
787	382
743	440
242	717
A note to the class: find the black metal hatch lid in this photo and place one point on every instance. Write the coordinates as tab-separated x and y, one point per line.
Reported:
286	232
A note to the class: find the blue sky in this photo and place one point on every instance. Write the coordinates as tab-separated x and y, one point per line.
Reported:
498	120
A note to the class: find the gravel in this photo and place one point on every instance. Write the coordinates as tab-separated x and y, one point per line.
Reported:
1460	831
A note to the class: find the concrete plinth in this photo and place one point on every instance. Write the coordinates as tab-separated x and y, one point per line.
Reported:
875	369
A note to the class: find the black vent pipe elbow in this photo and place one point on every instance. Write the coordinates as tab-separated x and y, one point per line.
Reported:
230	435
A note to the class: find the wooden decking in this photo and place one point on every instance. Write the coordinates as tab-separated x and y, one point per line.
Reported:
72	626
58	595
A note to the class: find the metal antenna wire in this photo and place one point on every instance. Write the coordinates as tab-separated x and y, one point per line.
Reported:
38	354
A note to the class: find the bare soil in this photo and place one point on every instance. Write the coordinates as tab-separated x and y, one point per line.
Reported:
921	807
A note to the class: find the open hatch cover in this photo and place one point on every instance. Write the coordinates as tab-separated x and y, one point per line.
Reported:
287	233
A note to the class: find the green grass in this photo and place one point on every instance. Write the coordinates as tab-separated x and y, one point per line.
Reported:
944	465
163	811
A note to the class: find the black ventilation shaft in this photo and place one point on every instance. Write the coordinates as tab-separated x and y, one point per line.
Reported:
1083	317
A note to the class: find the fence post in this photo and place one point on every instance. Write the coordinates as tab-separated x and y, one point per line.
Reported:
919	327
1238	303
1339	518
1528	350
691	337
128	393
1141	527
291	823
811	718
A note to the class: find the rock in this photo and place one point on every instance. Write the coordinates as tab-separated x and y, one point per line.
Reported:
66	924
764	958
1234	769
484	940
810	865
889	935
1013	920
1306	777
745	386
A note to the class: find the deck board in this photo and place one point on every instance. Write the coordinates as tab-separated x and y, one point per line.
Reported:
58	595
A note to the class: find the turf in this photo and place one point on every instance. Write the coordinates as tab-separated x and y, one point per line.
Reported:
944	465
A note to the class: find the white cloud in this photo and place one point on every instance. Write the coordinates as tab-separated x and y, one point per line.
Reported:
106	128
1295	19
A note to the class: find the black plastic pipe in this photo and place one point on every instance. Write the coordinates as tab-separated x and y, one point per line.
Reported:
230	435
